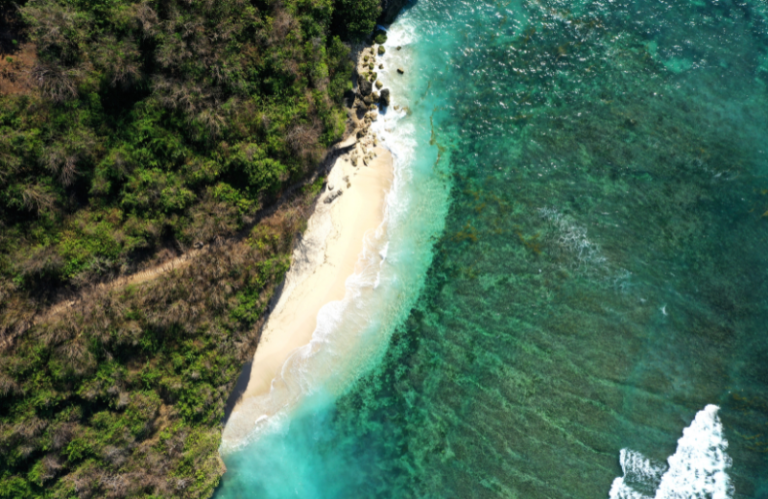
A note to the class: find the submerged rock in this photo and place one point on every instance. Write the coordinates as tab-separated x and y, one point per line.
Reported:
401	71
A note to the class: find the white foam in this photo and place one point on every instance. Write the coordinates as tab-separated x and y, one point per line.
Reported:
697	470
573	238
400	54
401	33
637	469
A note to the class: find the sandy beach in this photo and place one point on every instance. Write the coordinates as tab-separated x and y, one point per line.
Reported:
327	255
348	218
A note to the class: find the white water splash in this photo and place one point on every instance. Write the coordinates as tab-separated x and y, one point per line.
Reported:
573	238
697	470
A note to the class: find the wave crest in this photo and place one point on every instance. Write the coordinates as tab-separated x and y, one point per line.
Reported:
697	470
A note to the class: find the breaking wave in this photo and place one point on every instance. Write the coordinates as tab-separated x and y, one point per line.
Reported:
697	470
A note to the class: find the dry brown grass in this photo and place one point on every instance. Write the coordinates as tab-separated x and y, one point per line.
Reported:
15	68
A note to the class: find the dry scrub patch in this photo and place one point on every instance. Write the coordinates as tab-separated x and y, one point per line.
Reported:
15	68
131	380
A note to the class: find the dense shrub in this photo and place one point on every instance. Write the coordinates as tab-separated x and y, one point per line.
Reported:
356	18
143	113
129	127
122	394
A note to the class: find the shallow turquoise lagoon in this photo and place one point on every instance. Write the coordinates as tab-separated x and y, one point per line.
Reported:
594	319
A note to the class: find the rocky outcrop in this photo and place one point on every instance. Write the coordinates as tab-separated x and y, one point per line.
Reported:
384	98
390	9
365	86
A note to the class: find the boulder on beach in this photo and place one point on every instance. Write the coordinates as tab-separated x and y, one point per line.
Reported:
382	50
380	37
365	86
384	97
401	71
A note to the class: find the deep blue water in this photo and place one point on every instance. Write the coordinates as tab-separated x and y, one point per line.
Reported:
602	274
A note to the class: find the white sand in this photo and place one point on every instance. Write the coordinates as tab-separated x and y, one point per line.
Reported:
328	254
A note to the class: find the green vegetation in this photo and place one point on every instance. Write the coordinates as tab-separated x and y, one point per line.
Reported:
131	129
122	394
147	118
356	18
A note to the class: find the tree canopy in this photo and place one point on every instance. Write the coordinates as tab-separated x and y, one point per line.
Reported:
127	127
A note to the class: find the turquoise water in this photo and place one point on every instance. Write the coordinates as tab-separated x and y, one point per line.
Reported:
599	279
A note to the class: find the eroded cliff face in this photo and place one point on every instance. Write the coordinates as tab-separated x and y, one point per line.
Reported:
390	9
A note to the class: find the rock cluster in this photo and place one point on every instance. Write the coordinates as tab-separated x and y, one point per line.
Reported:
364	85
368	78
368	98
333	195
364	150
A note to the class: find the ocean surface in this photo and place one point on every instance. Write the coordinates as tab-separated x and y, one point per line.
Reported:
573	301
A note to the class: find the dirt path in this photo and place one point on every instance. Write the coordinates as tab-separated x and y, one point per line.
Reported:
185	259
139	277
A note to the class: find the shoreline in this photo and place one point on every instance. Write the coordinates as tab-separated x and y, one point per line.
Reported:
348	217
347	222
328	254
